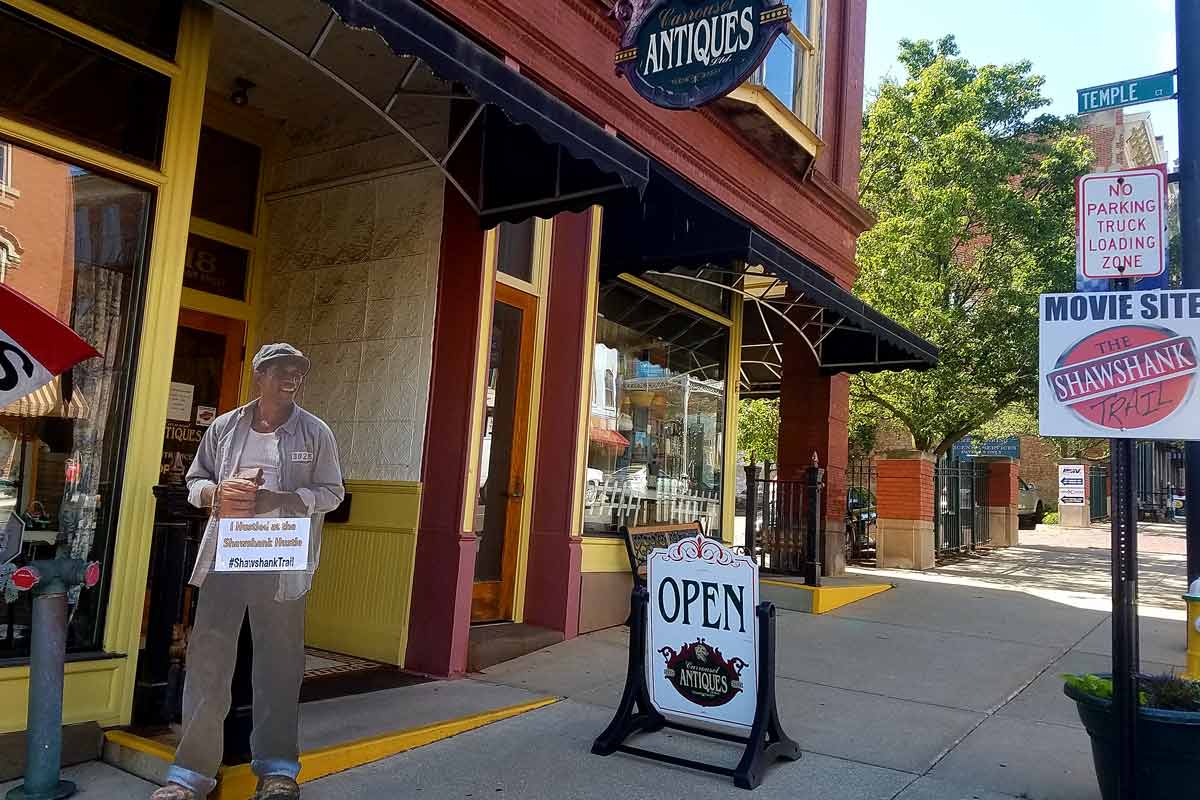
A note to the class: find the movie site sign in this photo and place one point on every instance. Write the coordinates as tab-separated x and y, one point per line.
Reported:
1120	364
1121	222
266	544
685	53
702	654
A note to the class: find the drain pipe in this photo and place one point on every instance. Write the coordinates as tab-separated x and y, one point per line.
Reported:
49	581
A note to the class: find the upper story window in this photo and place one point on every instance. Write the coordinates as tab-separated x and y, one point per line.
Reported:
792	69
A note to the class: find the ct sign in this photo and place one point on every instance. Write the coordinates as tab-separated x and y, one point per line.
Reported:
685	53
1121	222
1119	364
702	640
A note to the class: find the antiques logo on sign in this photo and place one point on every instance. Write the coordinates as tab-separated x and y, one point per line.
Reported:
702	654
1119	362
685	53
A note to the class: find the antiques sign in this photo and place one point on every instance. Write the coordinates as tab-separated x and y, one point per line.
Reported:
1119	364
702	640
685	53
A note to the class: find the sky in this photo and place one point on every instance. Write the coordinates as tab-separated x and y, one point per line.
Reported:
1074	44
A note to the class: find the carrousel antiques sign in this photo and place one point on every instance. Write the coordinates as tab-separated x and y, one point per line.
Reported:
702	659
685	53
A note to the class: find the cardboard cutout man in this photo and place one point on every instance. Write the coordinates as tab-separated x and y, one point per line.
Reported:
268	460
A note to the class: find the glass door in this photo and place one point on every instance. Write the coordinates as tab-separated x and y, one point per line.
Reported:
502	454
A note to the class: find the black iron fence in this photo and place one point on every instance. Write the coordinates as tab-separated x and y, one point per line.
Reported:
784	529
1097	492
960	518
861	511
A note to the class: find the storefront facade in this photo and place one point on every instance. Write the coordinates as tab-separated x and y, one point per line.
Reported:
461	238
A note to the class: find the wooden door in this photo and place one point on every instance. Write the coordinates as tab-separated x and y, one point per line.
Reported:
502	454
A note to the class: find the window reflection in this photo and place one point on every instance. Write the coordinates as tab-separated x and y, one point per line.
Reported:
656	439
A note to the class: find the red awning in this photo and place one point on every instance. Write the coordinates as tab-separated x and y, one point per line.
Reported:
609	438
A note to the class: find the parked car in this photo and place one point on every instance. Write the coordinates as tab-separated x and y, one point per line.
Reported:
1030	508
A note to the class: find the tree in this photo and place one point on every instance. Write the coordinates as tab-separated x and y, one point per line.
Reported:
758	429
974	196
1019	420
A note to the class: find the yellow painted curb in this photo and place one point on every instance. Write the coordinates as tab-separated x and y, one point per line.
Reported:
238	783
827	598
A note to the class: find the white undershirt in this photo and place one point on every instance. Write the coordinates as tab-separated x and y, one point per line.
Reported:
262	451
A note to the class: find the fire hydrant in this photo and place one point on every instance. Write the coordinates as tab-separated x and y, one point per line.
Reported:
49	581
1193	640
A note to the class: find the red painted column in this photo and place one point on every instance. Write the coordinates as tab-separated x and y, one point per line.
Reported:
555	547
905	504
440	618
814	414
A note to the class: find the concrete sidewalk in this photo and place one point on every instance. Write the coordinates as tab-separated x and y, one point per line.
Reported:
945	688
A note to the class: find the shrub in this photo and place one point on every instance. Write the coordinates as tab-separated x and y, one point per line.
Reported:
1050	518
1164	692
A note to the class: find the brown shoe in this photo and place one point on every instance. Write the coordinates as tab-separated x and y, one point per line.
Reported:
277	787
173	791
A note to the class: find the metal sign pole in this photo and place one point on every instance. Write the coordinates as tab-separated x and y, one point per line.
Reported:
1125	659
1187	19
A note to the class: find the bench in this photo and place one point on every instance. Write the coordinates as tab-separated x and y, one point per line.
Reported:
641	540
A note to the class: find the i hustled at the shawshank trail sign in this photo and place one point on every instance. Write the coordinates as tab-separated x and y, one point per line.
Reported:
1120	364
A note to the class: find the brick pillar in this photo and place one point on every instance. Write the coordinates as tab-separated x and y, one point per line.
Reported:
1001	501
814	414
1075	515
904	500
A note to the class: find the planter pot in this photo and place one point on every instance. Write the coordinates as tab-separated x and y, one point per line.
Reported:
1168	755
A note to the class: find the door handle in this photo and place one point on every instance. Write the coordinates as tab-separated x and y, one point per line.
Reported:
518	490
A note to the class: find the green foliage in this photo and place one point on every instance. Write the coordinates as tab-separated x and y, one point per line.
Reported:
1164	692
1050	518
974	196
1017	419
758	429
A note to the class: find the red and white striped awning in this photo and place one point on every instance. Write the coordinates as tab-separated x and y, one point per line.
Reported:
47	401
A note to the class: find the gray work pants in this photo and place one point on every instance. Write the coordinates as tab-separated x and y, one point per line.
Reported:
278	669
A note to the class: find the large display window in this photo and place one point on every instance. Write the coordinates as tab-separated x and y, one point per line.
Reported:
656	438
75	243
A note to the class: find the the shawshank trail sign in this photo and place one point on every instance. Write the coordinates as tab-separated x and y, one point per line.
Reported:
685	53
1121	223
1120	365
702	659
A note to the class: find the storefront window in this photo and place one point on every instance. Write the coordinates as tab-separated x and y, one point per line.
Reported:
656	439
150	24
61	447
514	253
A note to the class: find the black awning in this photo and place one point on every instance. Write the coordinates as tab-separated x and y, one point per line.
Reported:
677	227
540	156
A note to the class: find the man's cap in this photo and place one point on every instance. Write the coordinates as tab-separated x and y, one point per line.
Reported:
274	352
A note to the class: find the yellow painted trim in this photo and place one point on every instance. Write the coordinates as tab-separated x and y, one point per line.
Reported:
589	352
197	300
517	283
223	234
97	37
683	302
828	598
238	783
385	487
487	297
733	385
160	320
79	153
604	554
761	98
91	692
543	242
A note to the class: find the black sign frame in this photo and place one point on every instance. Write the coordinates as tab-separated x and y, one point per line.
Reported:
636	713
773	19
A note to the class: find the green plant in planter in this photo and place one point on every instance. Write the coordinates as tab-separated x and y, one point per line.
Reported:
1165	692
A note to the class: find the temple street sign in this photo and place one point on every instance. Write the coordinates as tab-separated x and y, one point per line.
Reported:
684	53
1127	93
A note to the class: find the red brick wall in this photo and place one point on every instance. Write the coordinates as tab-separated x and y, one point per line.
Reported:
41	220
904	488
1002	483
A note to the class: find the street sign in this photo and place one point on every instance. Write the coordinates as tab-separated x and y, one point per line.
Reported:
1121	223
1070	484
702	654
970	447
1120	365
1127	93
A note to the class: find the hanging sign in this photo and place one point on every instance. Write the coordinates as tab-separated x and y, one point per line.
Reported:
266	544
1121	223
1119	365
34	346
702	654
685	53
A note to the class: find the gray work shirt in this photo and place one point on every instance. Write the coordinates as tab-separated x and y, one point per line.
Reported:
308	466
